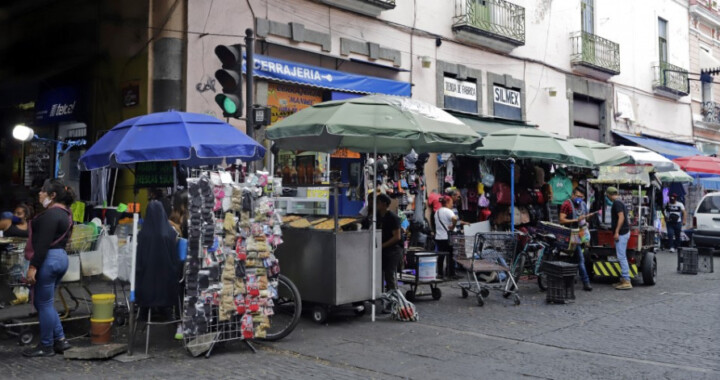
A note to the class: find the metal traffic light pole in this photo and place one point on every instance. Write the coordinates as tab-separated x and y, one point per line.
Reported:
249	83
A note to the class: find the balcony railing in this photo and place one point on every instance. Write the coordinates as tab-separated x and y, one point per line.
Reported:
596	52
711	112
672	79
499	18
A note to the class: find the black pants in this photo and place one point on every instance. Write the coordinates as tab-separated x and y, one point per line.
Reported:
445	246
390	262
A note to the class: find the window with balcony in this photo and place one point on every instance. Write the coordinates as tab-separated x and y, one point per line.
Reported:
670	80
497	24
591	54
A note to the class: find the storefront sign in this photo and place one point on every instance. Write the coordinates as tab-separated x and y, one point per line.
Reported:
345	153
59	104
154	174
460	95
506	96
284	99
507	103
277	69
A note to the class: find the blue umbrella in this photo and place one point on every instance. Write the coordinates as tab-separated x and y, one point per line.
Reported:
189	138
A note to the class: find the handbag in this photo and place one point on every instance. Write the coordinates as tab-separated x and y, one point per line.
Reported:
29	250
502	193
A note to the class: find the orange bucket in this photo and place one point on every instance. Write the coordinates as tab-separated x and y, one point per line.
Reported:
100	330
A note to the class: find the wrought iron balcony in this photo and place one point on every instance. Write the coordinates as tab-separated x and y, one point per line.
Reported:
711	112
497	24
595	53
671	80
366	7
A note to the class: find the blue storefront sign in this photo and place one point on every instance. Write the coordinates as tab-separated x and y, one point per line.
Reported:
59	104
298	73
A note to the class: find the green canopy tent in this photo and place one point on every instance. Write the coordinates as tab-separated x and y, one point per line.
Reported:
373	123
528	143
601	154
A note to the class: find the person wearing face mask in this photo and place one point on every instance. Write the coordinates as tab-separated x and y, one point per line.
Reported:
574	214
17	224
51	231
674	216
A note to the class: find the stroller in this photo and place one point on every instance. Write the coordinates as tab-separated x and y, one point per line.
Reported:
492	252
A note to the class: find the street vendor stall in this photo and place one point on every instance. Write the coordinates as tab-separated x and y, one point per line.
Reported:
638	191
187	138
374	124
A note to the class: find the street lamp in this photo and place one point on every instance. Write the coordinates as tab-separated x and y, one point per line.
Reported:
24	133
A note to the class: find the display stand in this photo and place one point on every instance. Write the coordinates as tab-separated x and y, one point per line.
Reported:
231	274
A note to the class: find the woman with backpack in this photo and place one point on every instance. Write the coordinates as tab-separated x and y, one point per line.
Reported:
49	233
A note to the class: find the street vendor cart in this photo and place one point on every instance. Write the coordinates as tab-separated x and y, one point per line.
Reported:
638	189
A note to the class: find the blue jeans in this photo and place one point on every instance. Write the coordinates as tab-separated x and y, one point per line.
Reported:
621	251
581	265
48	278
673	230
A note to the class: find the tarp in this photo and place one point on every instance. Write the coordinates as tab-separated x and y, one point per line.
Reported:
668	149
624	174
298	73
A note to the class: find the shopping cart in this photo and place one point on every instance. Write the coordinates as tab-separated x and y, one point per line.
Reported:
22	323
492	252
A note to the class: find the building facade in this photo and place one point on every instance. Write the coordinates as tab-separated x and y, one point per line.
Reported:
705	55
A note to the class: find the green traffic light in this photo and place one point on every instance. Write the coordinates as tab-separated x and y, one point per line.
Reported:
229	106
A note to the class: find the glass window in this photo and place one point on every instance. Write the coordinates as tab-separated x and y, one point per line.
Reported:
588	16
710	205
662	39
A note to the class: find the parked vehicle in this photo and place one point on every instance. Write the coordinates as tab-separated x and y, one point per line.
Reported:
706	222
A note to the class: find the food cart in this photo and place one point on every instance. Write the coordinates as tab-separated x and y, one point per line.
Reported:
638	190
326	257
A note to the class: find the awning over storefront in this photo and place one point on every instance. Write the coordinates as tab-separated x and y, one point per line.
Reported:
485	125
314	76
668	149
711	183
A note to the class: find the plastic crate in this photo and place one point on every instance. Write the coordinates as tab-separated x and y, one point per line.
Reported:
560	289
705	260
688	260
559	268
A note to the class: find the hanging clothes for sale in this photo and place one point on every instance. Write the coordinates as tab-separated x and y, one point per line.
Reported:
562	187
158	263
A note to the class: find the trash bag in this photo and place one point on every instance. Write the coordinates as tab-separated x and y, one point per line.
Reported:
400	308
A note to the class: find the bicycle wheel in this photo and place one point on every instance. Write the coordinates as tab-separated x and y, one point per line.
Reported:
519	266
542	281
287	308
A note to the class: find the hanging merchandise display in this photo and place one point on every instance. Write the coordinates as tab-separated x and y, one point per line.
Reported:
231	272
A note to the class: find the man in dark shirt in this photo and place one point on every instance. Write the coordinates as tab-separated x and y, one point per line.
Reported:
574	214
389	223
621	233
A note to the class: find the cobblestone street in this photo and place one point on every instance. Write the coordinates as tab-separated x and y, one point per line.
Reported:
670	331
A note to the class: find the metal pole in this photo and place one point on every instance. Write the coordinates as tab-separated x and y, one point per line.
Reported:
136	218
249	87
512	195
374	224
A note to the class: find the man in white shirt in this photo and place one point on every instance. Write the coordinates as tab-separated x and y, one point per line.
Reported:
445	221
674	218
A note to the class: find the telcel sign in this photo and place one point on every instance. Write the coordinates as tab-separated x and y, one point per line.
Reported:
58	104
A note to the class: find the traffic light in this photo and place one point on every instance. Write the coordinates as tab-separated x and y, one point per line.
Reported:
230	78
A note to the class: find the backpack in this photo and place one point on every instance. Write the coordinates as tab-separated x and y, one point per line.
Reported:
29	251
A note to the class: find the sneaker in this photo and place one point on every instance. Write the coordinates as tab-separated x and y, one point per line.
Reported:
672	250
61	345
39	351
587	287
624	285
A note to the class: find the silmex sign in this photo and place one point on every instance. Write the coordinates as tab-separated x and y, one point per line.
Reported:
507	103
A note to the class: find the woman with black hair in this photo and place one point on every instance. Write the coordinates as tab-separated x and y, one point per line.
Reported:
50	232
17	226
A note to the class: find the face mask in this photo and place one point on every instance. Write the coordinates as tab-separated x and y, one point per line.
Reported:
16	219
46	202
608	201
672	200
577	201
